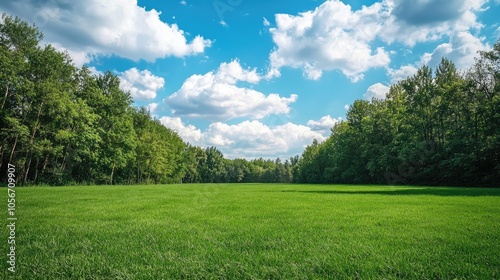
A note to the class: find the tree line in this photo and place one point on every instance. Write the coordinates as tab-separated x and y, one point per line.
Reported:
437	127
61	125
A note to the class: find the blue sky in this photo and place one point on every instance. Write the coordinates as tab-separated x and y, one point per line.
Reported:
260	78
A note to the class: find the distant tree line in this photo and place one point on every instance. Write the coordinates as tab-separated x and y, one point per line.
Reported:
61	125
209	166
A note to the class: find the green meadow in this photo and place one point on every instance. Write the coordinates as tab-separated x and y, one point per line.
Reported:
255	231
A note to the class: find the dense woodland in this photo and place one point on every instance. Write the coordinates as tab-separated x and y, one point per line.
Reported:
61	125
435	128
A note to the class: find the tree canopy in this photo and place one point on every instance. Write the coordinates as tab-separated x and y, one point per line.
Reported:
435	128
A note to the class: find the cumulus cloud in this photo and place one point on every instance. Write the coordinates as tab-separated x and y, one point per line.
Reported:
402	73
217	96
324	124
95	27
141	84
95	72
461	49
417	21
231	73
188	133
332	37
248	139
335	37
377	90
152	107
78	57
251	139
426	12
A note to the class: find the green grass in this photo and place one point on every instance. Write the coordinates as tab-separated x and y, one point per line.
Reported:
256	231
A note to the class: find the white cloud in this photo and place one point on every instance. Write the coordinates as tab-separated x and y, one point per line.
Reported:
152	107
188	133
232	72
79	57
331	37
273	72
324	124
248	139
266	22
347	106
183	2
96	27
95	72
335	37
402	73
377	90
223	23
216	96
141	84
417	21
462	49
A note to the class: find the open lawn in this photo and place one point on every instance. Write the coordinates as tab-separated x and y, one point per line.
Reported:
255	231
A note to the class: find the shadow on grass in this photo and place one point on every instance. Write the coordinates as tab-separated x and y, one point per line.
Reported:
438	191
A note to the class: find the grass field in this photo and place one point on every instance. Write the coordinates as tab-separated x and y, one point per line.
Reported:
255	231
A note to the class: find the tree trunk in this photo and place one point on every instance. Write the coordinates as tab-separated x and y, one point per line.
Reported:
6	95
139	175
1	154
63	164
45	162
27	171
36	127
32	139
36	171
13	149
112	173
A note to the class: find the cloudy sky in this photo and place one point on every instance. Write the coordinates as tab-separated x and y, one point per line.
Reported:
260	78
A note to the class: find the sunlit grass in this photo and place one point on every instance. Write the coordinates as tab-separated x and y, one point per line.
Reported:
256	231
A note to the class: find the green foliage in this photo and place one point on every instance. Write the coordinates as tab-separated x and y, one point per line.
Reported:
433	129
61	125
159	151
